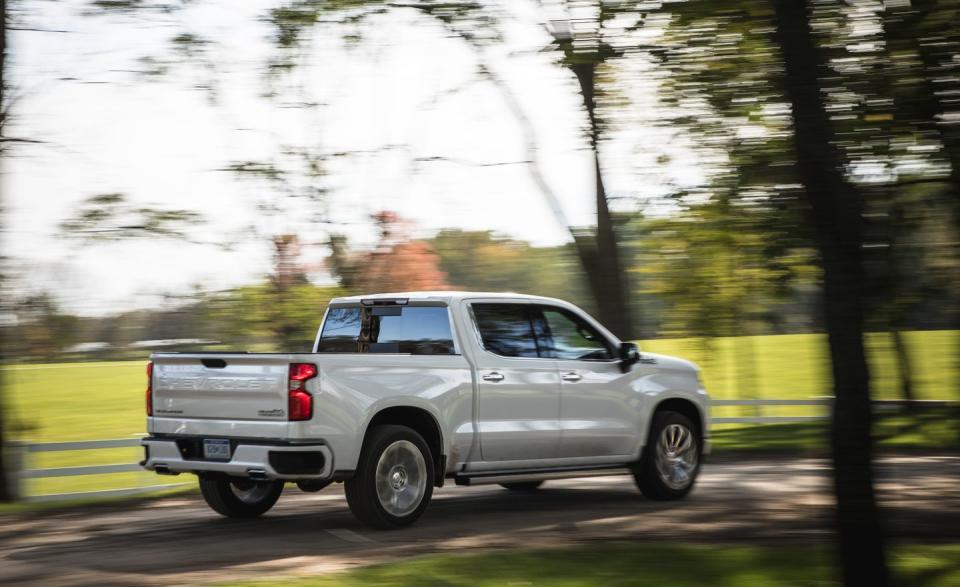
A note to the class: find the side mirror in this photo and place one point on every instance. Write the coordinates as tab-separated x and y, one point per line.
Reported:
629	354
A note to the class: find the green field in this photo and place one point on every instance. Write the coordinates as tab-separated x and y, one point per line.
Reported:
797	365
80	401
644	564
930	432
85	401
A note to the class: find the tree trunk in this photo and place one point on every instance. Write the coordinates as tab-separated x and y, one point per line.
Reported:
933	108
836	210
599	255
904	365
601	258
6	493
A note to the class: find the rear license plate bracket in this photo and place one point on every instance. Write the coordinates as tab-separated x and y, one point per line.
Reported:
215	449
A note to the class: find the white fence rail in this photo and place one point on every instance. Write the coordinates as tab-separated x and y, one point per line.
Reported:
22	451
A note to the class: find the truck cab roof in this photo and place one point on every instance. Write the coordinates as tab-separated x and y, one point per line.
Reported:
444	296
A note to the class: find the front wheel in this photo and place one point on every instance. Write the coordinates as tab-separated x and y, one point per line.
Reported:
671	459
240	498
393	482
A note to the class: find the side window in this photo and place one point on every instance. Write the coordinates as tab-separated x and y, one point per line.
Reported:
506	329
415	330
418	330
340	331
571	337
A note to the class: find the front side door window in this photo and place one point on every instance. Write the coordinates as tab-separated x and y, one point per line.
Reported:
571	337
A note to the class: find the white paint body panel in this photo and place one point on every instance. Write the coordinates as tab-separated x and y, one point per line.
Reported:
530	419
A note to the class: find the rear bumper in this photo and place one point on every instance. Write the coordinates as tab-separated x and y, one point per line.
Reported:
248	459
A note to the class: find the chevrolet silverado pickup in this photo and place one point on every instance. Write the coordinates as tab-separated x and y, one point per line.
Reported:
403	392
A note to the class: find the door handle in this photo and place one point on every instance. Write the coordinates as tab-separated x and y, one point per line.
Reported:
494	377
572	377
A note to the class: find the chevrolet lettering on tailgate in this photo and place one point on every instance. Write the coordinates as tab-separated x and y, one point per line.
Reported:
213	383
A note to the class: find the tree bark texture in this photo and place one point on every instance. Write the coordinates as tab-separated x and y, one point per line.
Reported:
836	209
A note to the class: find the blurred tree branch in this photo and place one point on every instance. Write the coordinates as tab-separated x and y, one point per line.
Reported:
110	217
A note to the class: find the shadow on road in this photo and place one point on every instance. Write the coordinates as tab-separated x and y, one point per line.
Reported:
155	541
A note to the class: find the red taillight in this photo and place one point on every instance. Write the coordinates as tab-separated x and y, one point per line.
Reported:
150	388
300	372
300	402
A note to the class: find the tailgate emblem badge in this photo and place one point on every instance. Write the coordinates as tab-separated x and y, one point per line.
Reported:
270	413
214	383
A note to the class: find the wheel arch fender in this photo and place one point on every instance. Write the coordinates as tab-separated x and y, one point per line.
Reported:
674	402
418	415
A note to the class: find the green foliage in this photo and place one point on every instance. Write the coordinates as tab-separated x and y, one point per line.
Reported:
721	76
922	431
641	564
134	6
111	217
42	328
483	261
722	269
283	319
293	20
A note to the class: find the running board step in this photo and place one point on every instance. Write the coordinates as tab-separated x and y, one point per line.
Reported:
498	477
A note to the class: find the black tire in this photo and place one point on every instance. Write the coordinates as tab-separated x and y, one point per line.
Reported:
361	491
522	485
650	478
240	498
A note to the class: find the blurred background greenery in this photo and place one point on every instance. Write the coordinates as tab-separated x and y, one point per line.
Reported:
770	188
699	241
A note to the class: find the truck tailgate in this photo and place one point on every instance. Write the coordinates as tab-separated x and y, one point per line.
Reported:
221	387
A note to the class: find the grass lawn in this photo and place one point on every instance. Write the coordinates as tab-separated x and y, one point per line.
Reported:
893	432
76	401
642	564
80	401
795	366
84	401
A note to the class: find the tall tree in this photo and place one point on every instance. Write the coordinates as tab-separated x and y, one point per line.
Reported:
6	493
589	35
836	208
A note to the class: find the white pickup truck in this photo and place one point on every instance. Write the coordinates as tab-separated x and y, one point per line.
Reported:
404	391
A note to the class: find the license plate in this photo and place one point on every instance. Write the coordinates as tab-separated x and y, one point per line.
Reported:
216	449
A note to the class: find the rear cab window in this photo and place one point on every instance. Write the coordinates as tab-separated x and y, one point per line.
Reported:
394	328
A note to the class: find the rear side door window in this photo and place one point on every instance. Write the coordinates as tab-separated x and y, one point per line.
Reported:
507	329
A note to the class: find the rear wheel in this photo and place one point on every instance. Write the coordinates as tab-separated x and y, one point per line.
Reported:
394	479
240	498
671	459
522	485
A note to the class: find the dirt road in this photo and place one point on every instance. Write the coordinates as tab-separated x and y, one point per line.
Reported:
179	541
